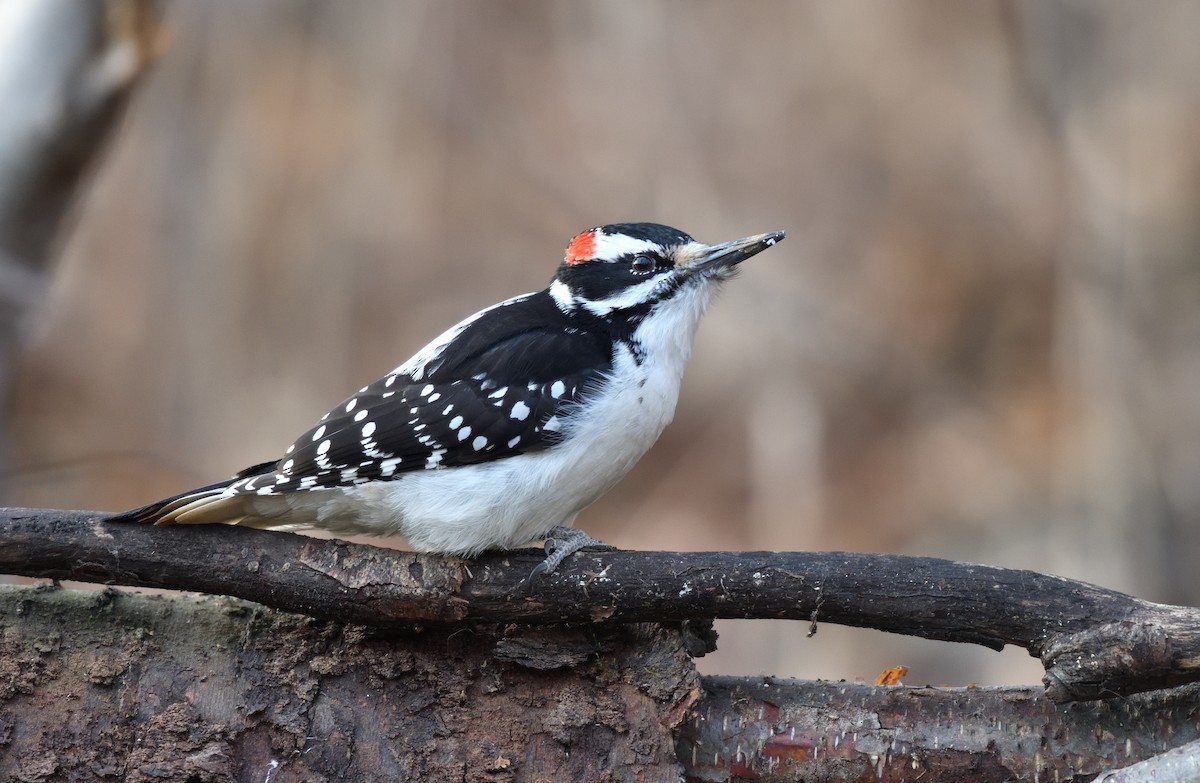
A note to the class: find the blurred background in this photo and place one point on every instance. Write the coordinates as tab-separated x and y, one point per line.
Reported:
981	339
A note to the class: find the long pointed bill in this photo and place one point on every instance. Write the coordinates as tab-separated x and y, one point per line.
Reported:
717	258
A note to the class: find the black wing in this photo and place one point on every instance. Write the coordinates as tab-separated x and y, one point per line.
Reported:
504	385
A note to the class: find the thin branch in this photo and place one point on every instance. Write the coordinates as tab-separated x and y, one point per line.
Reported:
1094	643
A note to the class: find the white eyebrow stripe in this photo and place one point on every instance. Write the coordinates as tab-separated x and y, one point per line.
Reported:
610	247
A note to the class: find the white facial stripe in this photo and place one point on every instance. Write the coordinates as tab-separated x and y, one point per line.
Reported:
626	298
561	295
611	247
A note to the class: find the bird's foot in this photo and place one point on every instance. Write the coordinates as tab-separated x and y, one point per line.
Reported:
561	542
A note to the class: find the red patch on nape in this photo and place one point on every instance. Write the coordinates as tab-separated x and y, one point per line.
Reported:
582	247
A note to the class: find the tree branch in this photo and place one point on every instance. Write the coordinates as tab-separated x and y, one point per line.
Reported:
774	730
1094	643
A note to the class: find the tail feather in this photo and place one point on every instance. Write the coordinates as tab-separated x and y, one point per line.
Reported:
203	506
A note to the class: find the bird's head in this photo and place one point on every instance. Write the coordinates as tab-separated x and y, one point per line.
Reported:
636	266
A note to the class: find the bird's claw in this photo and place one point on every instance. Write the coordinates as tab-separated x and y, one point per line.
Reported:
561	543
541	569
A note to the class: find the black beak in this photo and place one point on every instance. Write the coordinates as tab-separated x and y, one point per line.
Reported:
717	258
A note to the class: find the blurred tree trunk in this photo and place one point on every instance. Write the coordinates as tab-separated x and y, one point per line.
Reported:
66	70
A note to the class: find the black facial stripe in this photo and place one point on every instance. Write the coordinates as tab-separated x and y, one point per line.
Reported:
598	280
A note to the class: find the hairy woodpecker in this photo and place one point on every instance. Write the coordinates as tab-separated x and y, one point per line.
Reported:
503	428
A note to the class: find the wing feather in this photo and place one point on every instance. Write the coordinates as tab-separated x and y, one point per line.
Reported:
504	385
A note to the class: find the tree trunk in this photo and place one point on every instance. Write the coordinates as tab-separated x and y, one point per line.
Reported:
67	70
114	686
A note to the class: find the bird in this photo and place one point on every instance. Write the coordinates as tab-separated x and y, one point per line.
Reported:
502	429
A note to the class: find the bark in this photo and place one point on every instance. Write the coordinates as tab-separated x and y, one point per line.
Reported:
774	731
107	686
1181	763
1094	643
111	686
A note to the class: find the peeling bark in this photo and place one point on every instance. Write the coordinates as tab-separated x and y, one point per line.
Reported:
1181	763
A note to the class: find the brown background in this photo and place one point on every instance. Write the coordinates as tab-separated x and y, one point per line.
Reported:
981	339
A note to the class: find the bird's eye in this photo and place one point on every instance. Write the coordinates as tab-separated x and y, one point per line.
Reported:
643	264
